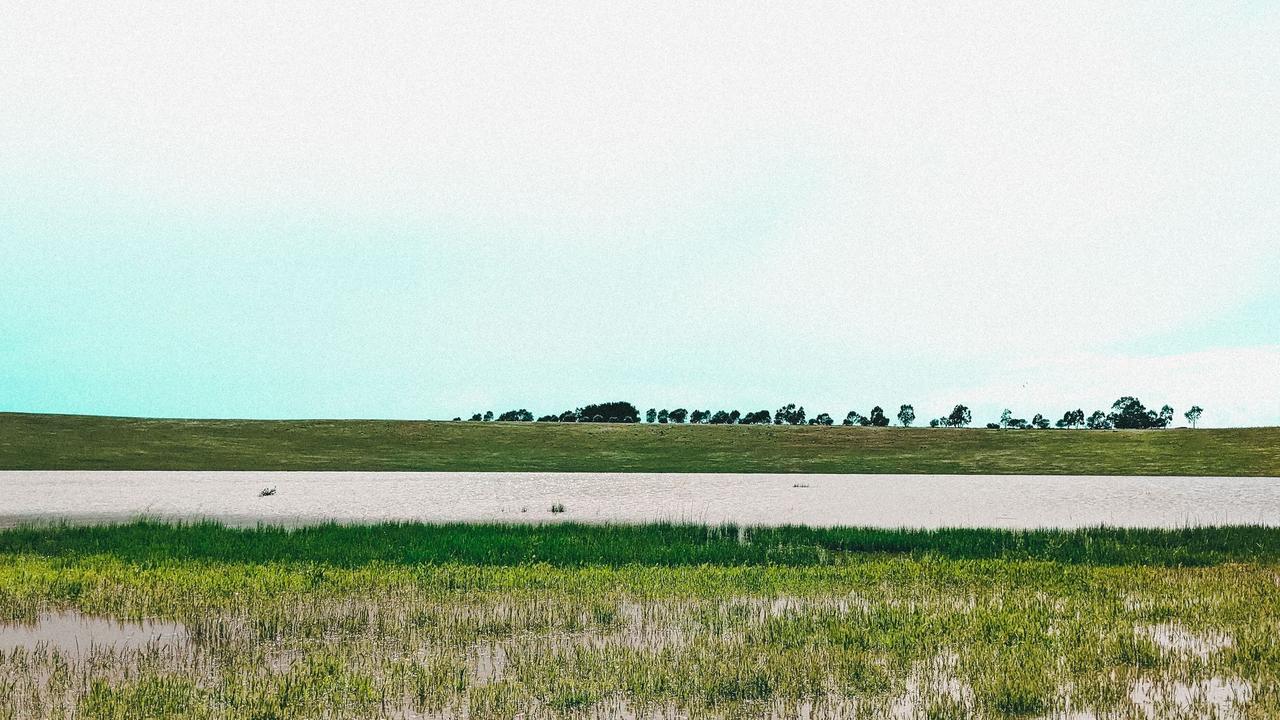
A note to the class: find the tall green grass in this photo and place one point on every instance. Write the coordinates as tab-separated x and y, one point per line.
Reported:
660	544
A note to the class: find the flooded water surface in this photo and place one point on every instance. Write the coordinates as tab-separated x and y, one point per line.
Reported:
872	500
75	633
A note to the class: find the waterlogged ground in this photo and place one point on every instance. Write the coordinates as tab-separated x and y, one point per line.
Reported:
757	499
853	635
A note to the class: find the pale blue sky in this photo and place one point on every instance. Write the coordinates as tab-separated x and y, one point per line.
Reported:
328	211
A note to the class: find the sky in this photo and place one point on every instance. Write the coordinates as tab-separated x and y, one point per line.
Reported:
425	210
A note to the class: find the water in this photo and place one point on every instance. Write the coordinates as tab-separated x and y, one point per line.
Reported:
874	500
75	633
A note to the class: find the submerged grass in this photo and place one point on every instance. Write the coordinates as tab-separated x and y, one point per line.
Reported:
71	442
567	620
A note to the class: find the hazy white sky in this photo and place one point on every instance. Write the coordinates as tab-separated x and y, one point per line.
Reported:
429	209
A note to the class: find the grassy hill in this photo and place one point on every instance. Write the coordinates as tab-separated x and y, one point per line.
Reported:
48	442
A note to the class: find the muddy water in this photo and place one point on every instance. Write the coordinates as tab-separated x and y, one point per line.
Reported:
76	634
873	500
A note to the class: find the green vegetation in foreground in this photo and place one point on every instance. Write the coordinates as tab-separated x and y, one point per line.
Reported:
543	621
68	442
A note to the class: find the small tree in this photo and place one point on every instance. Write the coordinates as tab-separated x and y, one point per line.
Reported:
822	419
520	415
650	415
854	418
1193	415
678	415
906	415
477	417
1098	421
1006	417
935	422
699	417
1040	422
878	418
1166	417
960	416
663	416
488	416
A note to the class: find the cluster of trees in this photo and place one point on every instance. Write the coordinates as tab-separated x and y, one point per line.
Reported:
618	411
1126	413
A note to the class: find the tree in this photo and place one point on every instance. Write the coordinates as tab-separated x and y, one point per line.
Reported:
1098	421
723	417
1128	413
477	417
936	422
1166	417
789	414
520	415
1040	422
1193	415
663	416
569	416
617	411
700	417
678	415
488	415
650	415
1071	418
759	417
878	418
855	418
549	418
822	419
906	415
960	416
1006	417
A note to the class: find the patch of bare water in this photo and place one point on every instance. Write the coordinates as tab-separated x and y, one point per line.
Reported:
75	633
754	499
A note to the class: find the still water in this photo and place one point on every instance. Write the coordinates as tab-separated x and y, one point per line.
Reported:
926	501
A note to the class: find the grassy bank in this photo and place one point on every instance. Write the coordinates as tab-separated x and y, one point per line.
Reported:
31	442
543	622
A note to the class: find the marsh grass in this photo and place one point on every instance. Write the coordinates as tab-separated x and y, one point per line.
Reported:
552	621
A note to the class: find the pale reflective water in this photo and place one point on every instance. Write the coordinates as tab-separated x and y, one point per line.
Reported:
873	500
75	633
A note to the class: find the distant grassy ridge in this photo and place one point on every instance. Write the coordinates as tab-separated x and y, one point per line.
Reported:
76	442
657	544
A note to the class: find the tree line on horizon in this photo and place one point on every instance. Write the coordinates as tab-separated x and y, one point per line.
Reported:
1127	413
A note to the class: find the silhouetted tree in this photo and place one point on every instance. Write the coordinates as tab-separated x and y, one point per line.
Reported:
959	417
1040	422
477	417
878	418
759	417
488	415
1071	419
700	417
678	415
723	417
993	426
822	419
609	412
650	415
1193	415
1165	418
1128	413
663	416
549	418
1098	421
520	415
855	418
936	422
906	415
789	414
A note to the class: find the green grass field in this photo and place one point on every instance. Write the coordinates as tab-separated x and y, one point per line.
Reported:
32	442
489	621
